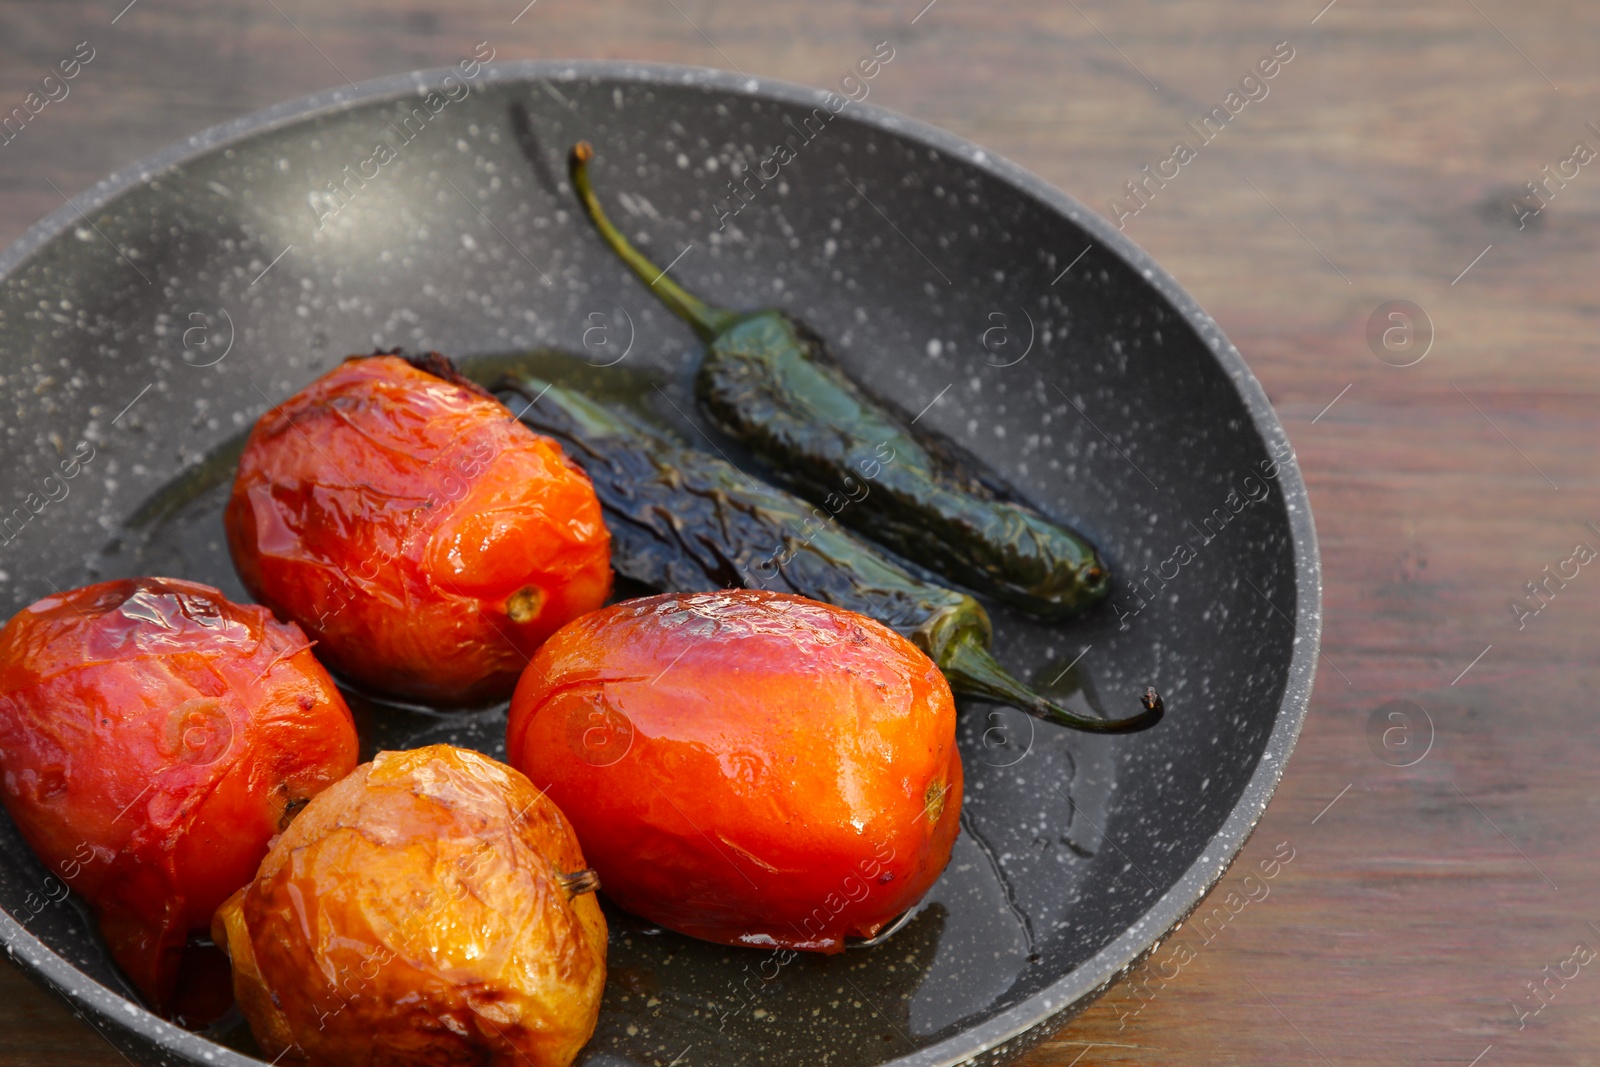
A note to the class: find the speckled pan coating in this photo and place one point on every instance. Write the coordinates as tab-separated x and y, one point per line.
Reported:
1131	416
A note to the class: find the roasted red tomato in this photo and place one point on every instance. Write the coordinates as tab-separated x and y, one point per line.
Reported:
154	737
424	537
433	909
750	768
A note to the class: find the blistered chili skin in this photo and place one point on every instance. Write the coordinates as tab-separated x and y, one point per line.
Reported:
746	767
422	536
154	737
415	914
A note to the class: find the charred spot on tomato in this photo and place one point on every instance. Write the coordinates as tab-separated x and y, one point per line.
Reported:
290	810
523	605
579	882
441	367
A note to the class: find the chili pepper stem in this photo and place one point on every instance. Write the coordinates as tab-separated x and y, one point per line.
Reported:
972	670
706	320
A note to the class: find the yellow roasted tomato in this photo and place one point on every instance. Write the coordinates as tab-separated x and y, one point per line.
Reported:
432	908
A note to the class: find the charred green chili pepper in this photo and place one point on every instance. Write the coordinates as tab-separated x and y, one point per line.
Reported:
771	383
686	521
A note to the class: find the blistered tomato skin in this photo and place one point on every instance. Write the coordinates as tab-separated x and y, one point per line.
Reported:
422	536
154	737
431	909
746	767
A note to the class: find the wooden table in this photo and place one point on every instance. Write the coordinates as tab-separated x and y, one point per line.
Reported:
1382	165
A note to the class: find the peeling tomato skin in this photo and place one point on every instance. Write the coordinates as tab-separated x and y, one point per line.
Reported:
152	734
422	536
746	767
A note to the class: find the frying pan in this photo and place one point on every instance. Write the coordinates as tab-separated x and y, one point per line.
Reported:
160	313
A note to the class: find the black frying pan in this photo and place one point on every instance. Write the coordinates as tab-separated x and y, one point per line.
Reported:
162	311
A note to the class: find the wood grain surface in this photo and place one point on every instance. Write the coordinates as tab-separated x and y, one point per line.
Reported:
1423	903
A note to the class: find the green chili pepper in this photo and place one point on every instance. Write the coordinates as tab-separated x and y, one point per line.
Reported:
686	521
769	382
